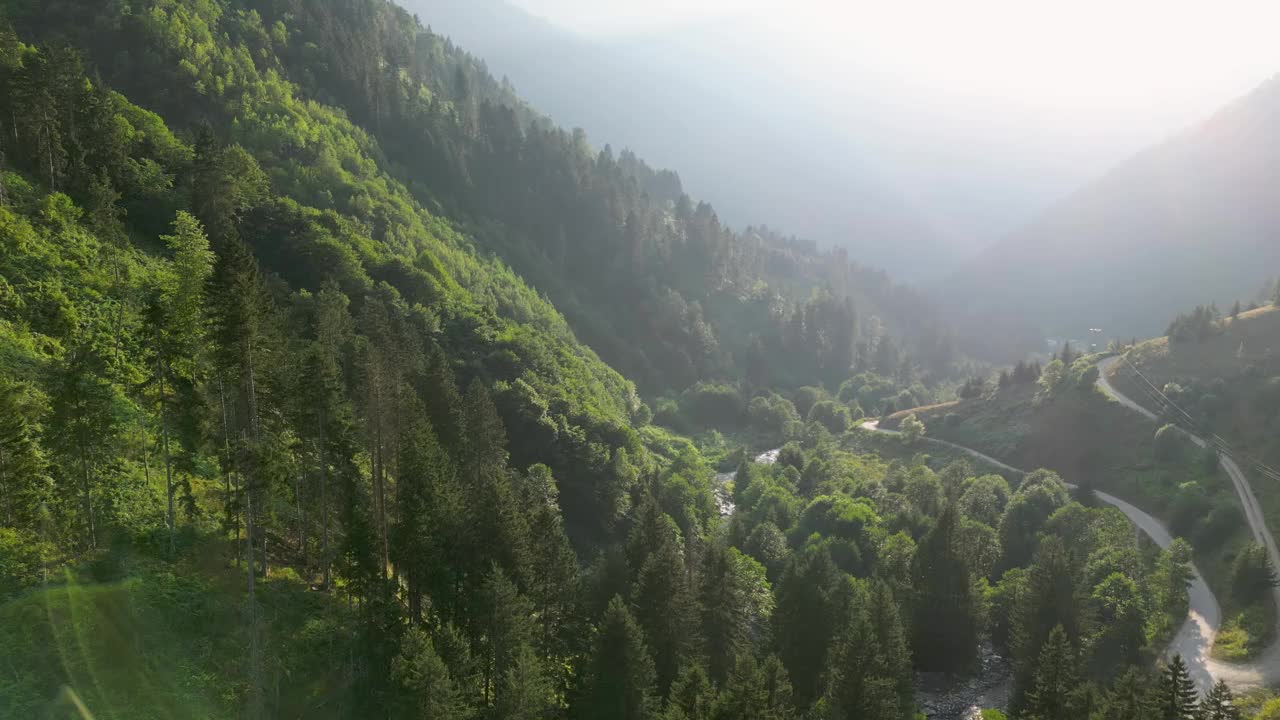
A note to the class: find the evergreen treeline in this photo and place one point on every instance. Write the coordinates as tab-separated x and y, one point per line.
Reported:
646	276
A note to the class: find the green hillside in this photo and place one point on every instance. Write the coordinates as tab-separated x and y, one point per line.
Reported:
291	426
1078	432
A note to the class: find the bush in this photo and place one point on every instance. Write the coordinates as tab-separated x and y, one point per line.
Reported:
912	429
807	397
770	415
1168	445
832	415
713	405
791	455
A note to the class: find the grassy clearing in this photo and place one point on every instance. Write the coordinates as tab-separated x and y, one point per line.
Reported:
165	642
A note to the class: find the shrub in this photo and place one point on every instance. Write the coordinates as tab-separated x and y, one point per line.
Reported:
1168	445
832	415
807	397
912	429
713	405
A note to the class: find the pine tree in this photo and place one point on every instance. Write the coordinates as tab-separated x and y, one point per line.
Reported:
893	655
553	573
1178	695
508	629
180	335
735	600
241	313
805	621
618	680
498	526
1129	698
425	471
1048	600
1054	692
692	696
524	691
1219	704
24	477
426	690
665	610
755	691
944	629
858	686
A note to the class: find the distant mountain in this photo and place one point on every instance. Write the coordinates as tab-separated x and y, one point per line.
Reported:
1193	220
673	101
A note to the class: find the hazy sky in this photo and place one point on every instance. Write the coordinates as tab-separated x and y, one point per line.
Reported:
1157	60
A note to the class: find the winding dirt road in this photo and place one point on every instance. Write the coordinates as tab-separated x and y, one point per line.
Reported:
1265	669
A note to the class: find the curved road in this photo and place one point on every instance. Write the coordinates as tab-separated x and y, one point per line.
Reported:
1195	639
1265	669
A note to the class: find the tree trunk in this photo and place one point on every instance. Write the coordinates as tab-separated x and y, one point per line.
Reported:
233	519
255	660
302	514
168	466
324	502
88	500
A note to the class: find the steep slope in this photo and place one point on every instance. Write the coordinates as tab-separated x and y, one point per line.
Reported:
1193	220
648	277
685	108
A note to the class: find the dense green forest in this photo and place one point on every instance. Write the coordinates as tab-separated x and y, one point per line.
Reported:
290	424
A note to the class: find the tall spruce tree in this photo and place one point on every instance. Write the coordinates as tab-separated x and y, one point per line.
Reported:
1179	699
1055	691
1219	704
618	679
944	627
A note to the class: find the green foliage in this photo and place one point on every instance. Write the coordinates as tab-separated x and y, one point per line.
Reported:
619	679
944	627
833	416
1252	576
1178	698
912	429
1169	444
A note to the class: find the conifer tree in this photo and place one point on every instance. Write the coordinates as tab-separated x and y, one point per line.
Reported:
1178	696
618	679
24	479
1129	698
1219	704
508	629
755	691
426	690
180	333
553	581
735	600
858	685
944	629
805	621
665	610
692	696
1054	694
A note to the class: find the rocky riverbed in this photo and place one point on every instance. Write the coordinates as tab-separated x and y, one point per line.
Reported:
944	697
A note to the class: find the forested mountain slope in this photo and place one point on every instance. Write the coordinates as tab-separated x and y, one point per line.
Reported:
646	276
1191	221
698	112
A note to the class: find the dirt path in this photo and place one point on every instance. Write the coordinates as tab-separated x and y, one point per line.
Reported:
1195	638
1265	669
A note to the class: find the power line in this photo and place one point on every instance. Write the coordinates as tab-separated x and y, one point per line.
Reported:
1214	440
